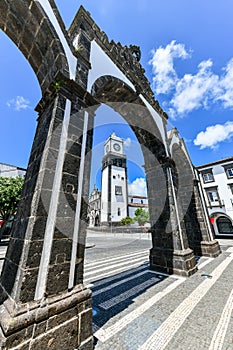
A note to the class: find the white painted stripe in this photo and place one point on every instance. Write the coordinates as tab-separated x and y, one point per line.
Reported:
220	332
116	262
163	335
105	334
48	237
109	267
128	293
120	275
116	284
110	273
78	204
70	58
116	258
229	250
176	209
204	263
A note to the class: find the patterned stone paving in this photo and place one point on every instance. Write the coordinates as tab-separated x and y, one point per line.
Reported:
140	309
136	308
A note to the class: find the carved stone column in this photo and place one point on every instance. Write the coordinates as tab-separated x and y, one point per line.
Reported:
44	303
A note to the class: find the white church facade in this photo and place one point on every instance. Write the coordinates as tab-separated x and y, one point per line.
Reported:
113	203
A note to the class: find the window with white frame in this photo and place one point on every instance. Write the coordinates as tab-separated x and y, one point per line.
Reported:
230	172
208	177
212	195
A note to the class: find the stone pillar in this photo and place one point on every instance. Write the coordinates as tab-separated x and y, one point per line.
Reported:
193	214
44	303
170	252
208	246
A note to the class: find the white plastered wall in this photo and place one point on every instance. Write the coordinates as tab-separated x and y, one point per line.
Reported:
121	202
222	183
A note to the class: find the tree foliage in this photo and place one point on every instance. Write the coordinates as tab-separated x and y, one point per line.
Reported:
126	221
10	191
141	216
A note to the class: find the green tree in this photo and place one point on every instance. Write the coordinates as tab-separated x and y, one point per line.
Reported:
126	221
141	216
10	191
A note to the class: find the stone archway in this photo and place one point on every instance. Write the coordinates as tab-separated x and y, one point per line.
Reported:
28	25
43	301
170	252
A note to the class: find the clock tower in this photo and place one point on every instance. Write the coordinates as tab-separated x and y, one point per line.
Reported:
114	196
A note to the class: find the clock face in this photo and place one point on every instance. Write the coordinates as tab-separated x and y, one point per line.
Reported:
116	147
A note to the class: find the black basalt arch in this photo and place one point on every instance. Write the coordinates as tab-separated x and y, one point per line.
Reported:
160	171
43	302
29	27
125	101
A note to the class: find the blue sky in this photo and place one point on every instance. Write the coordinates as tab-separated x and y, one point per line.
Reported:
187	53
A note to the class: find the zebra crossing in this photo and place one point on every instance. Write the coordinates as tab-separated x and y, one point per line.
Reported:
116	265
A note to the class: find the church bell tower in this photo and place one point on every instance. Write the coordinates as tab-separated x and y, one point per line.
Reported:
114	198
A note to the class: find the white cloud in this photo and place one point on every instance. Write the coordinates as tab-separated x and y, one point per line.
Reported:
225	84
191	91
19	103
165	76
195	91
214	134
138	187
128	142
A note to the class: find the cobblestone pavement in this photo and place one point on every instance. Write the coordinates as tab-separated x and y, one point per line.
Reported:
135	308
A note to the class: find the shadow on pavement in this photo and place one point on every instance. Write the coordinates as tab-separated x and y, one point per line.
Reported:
112	296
